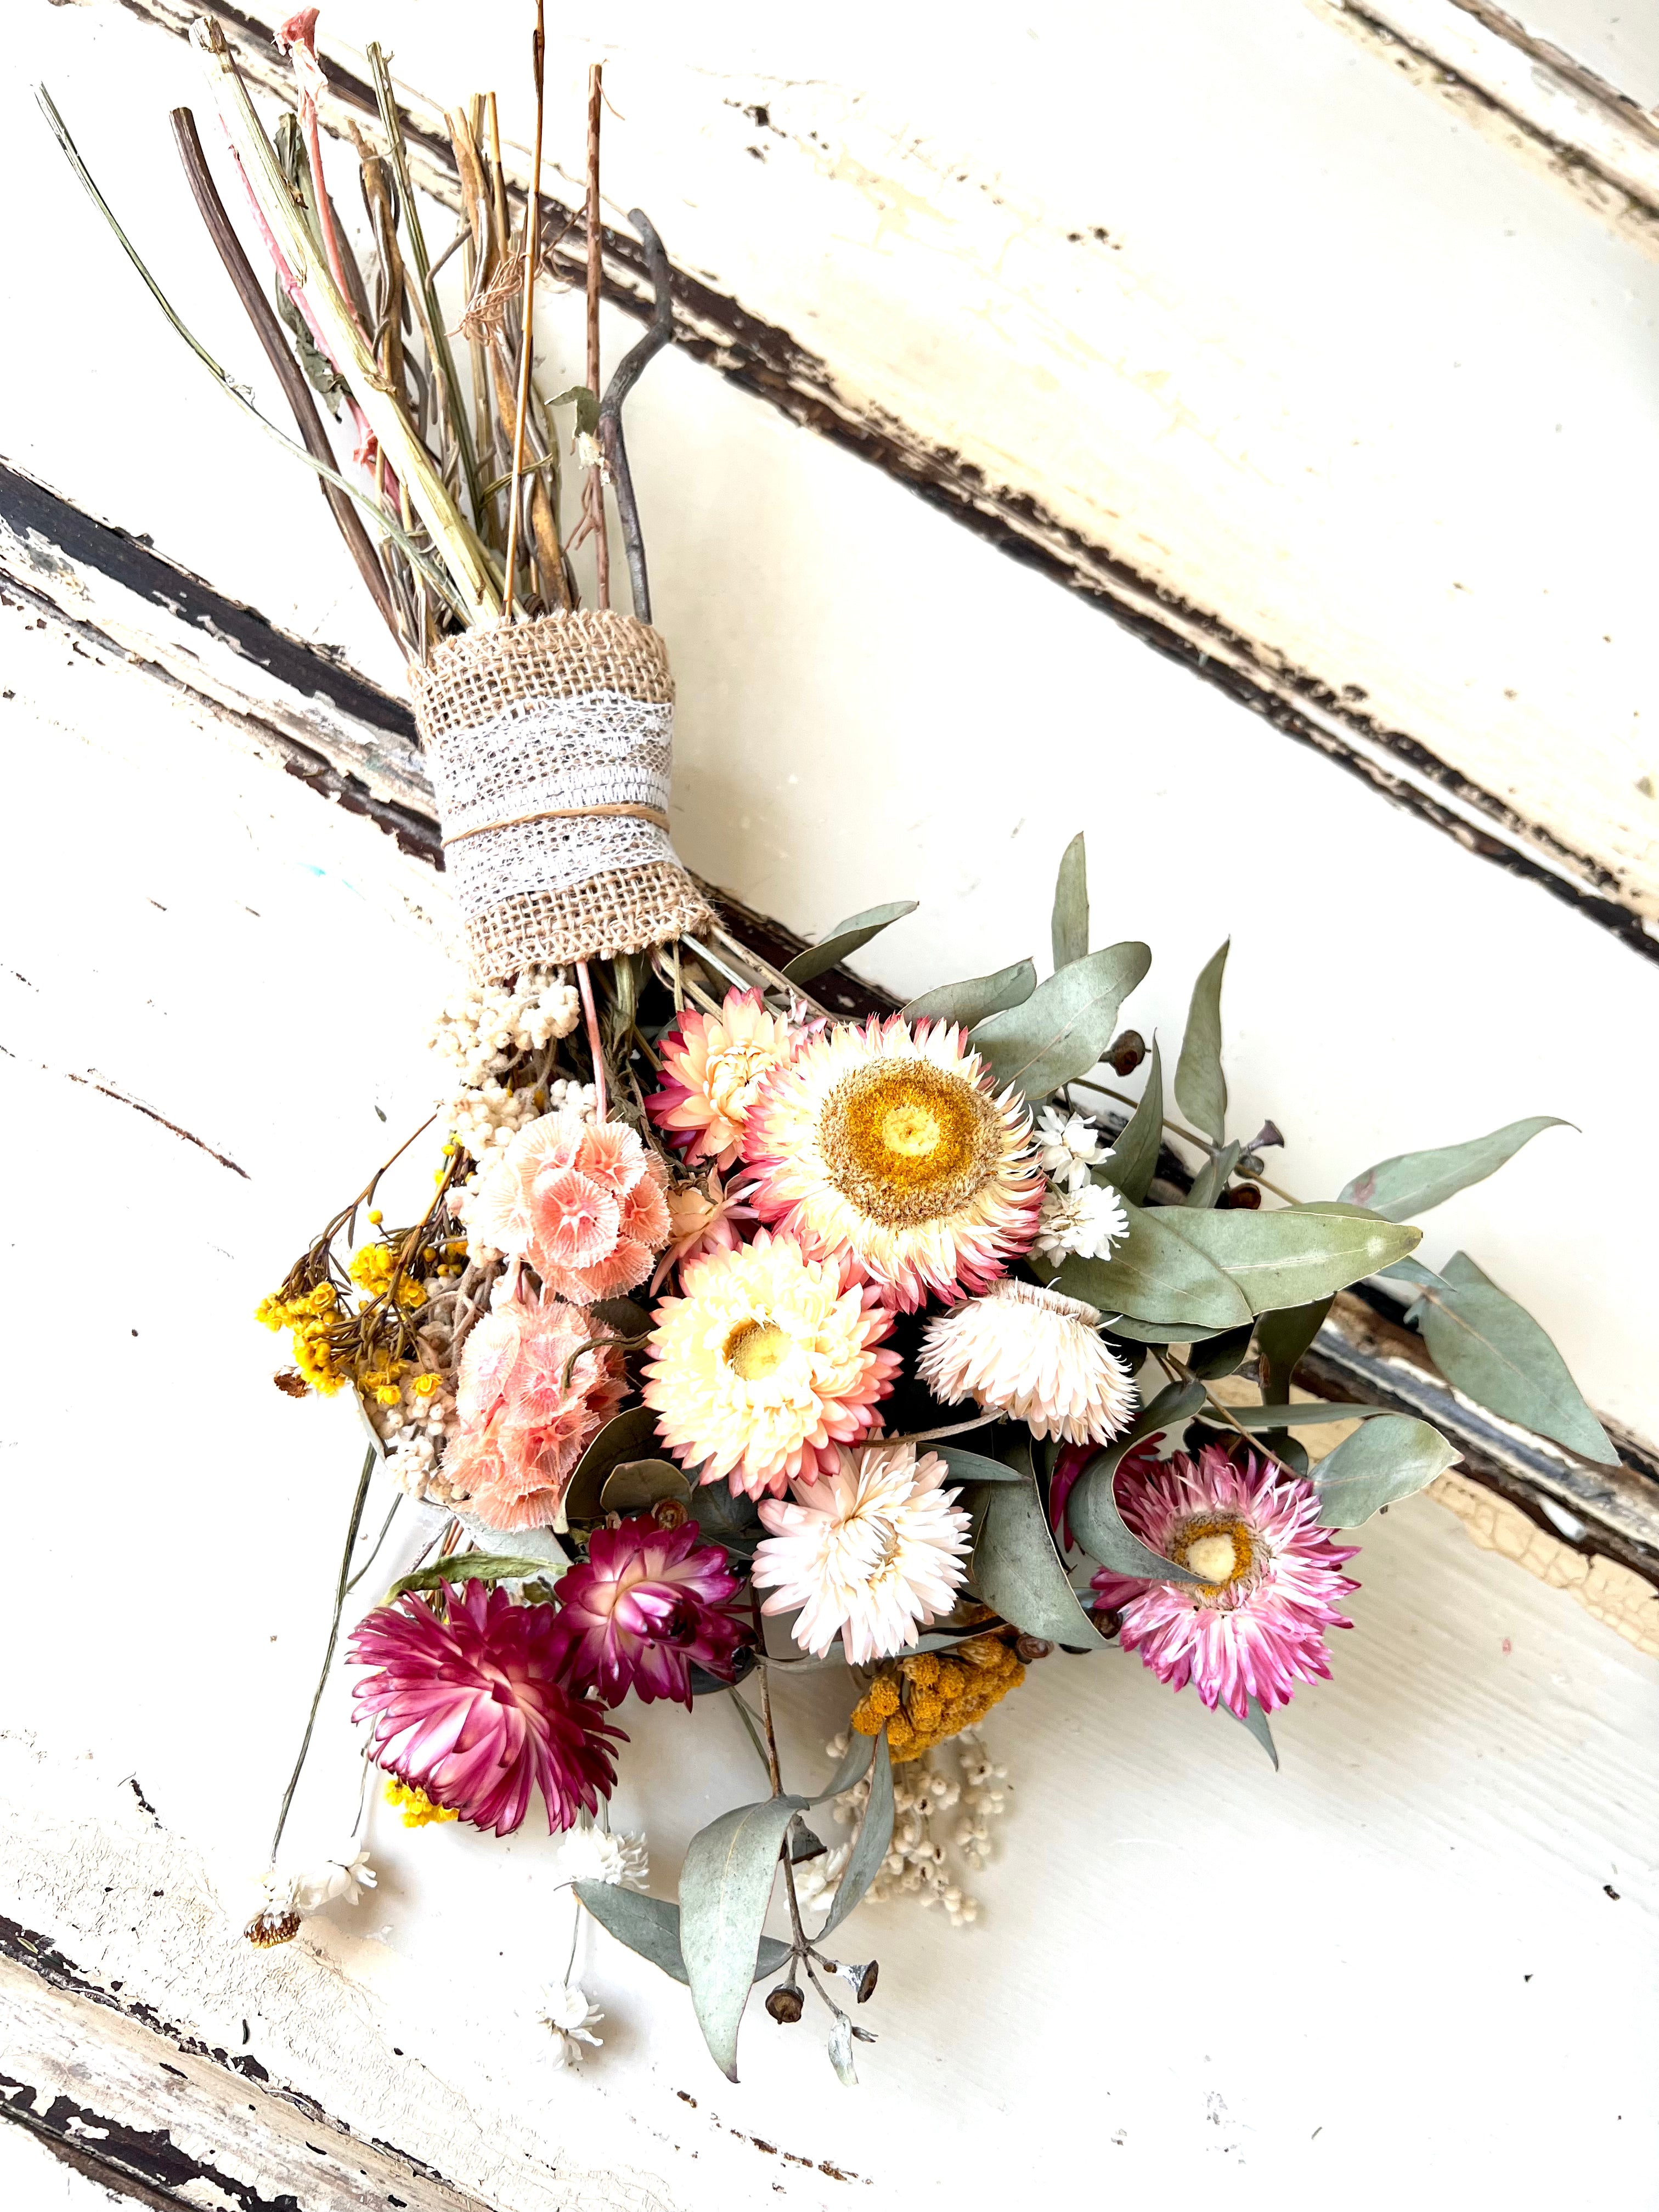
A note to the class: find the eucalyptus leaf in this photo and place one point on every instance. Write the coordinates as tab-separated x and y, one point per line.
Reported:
1018	1572
1134	1154
1282	1339
725	1883
539	1544
621	1317
1412	1271
462	1567
1092	1508
1412	1182
969	1002
1222	1355
726	1519
1492	1349
1133	1331
967	1466
1256	1721
629	1436
587	404
1069	929
1289	1257
853	1762
1158	1274
1200	1088
650	1926
845	939
1211	1178
875	1839
633	1485
1062	1030
1390	1458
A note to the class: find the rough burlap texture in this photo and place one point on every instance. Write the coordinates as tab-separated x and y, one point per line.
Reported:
549	744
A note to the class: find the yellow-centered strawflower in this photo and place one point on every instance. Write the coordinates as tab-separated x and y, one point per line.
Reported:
891	1145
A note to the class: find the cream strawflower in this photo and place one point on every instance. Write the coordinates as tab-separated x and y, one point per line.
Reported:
570	2019
871	1553
765	1363
1034	1354
892	1146
714	1066
1087	1219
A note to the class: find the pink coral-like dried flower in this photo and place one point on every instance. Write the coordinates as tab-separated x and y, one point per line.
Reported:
648	1605
464	1702
523	1425
583	1201
1254	1625
715	1067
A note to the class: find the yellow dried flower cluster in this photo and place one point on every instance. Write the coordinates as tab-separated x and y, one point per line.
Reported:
312	1314
419	1811
373	1266
922	1700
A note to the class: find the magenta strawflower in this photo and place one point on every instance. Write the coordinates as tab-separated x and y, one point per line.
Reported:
466	1703
1254	1626
648	1605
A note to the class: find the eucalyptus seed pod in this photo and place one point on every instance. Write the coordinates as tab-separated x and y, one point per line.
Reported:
785	2003
1124	1053
1241	1196
1027	1648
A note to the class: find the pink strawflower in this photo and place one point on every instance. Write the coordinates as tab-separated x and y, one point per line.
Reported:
523	1427
646	1606
715	1067
702	1217
1254	1626
466	1703
891	1145
583	1201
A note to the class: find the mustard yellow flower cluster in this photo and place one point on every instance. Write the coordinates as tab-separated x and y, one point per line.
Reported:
922	1700
311	1315
373	1266
418	1809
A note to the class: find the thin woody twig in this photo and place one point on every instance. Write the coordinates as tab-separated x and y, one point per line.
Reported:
623	378
531	240
595	271
290	375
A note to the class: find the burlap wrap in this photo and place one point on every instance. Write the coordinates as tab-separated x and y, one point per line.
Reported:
527	728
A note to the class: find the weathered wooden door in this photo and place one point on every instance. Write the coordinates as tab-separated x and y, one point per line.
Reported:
1229	431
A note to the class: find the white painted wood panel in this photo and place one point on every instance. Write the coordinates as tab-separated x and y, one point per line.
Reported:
1190	1972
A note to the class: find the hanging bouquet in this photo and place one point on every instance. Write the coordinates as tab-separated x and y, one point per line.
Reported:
737	1339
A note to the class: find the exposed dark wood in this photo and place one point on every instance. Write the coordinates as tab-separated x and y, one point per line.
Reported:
769	362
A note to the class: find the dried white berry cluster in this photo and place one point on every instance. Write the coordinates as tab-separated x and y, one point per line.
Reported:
416	1433
483	1035
924	1790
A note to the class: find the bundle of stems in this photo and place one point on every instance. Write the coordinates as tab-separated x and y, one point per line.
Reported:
451	496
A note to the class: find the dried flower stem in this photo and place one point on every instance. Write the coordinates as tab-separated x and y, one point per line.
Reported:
474	589
340	1588
527	335
585	985
595	270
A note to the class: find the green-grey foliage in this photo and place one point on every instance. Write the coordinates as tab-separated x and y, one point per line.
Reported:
650	1926
1387	1459
1060	1031
725	1884
1069	929
1495	1352
1291	1256
875	1838
1134	1154
845	939
1200	1088
1411	1182
969	1002
1158	1274
1018	1572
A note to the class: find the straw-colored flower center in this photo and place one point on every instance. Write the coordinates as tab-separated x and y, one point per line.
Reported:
906	1141
1220	1553
757	1349
735	1073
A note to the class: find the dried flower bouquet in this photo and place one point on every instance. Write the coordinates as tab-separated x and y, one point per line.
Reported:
724	1312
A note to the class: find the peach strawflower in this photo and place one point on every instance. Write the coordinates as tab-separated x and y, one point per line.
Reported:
583	1201
892	1146
702	1217
714	1068
765	1363
523	1425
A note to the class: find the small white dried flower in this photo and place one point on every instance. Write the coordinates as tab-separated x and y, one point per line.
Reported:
590	1854
1070	1146
1087	1220
570	2019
